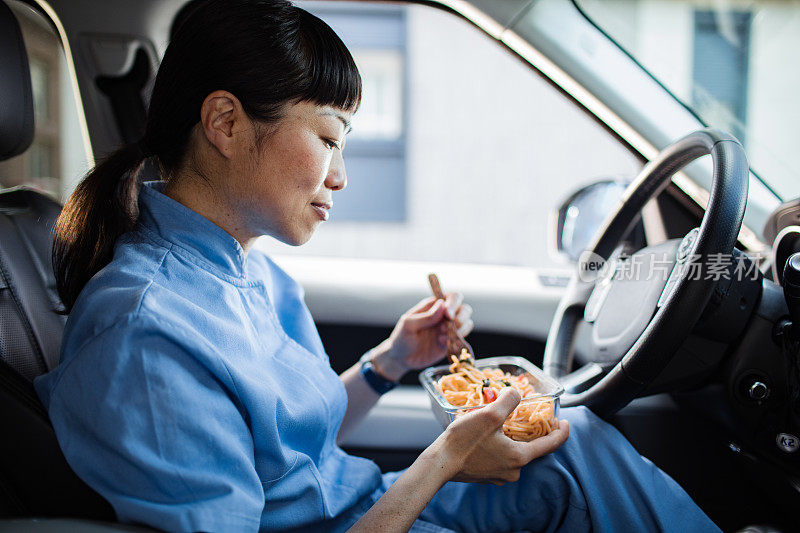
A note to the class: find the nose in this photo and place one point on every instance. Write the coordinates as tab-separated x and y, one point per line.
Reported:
336	180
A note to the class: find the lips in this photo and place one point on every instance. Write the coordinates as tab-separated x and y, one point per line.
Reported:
322	209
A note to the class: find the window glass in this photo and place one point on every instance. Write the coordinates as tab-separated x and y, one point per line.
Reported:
56	160
491	150
40	161
40	88
732	61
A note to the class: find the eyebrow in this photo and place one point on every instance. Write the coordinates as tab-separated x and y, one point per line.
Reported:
341	117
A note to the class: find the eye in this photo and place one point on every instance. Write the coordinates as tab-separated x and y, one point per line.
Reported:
331	144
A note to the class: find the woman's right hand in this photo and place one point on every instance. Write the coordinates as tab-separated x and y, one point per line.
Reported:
474	448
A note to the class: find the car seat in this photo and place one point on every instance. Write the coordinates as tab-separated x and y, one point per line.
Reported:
35	479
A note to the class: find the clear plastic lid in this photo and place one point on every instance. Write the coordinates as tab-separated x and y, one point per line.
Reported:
542	384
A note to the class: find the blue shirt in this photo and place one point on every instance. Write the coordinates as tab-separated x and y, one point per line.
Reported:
194	392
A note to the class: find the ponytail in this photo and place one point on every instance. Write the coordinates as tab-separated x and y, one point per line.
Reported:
103	207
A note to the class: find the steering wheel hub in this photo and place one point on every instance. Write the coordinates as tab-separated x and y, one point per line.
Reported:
629	300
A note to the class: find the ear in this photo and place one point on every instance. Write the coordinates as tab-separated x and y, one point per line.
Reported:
220	116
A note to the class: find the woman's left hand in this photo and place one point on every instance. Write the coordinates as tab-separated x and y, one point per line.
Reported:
420	337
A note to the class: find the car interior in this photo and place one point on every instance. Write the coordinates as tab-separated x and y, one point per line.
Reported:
701	375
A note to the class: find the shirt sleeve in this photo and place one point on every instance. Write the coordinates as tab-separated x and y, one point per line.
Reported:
151	425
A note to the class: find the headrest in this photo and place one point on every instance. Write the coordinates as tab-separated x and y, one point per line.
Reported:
16	97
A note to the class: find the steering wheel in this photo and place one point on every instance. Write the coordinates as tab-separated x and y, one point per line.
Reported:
641	323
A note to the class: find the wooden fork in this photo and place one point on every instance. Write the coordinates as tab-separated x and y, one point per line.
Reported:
455	342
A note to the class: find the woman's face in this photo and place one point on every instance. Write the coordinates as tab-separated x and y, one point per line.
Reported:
284	186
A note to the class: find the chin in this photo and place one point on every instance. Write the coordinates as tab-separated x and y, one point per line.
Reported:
296	239
293	234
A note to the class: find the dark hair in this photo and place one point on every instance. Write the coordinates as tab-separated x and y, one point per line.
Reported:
266	52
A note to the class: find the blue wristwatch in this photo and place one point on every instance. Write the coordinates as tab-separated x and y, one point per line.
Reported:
379	384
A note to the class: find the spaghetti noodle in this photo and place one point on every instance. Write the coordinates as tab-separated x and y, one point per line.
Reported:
467	386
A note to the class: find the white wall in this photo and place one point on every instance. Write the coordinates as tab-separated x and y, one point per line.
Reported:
773	105
492	149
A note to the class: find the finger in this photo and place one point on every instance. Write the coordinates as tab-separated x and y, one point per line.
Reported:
466	328
505	403
463	313
548	443
423	305
442	340
427	318
453	300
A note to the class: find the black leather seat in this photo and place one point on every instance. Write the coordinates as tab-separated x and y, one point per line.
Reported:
35	479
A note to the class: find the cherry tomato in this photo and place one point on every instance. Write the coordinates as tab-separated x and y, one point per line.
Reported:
489	394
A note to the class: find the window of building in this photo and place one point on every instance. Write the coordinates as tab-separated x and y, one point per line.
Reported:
380	117
721	51
375	154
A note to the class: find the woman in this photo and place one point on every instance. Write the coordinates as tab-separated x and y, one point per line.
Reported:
194	392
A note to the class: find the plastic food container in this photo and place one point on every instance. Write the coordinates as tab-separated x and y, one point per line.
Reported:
547	389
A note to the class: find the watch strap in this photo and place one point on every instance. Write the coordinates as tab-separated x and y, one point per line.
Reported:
377	382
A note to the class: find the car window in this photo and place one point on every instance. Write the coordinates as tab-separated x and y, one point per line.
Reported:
460	152
57	158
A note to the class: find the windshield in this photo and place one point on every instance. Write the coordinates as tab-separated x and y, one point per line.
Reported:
733	62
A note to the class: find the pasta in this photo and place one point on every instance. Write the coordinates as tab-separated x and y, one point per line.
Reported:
467	386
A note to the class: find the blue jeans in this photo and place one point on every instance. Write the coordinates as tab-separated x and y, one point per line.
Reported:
596	482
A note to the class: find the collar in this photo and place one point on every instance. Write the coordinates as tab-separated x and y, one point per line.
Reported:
190	231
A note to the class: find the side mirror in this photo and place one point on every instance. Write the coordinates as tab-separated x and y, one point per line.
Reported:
581	215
